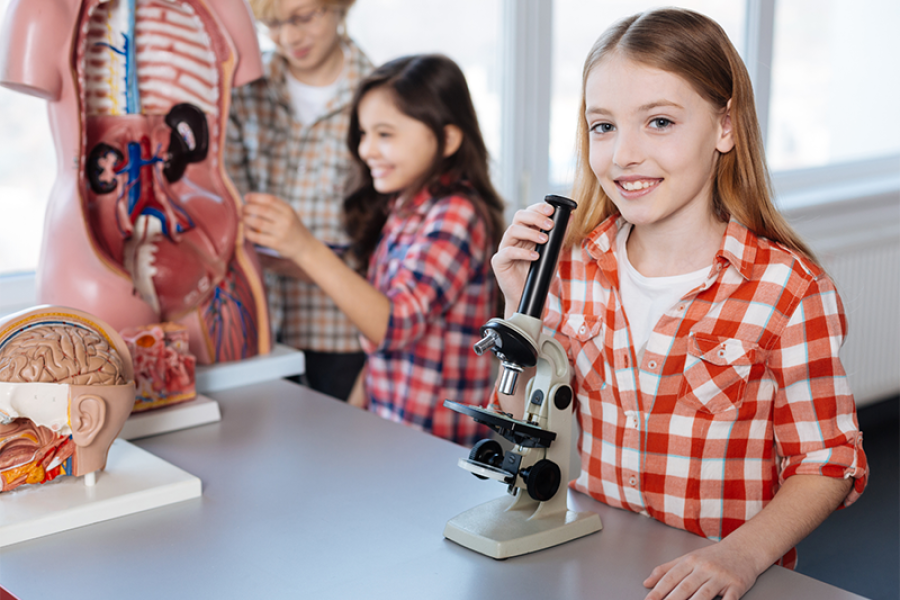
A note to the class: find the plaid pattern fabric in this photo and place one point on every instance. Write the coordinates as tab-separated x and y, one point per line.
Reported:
739	387
268	150
433	263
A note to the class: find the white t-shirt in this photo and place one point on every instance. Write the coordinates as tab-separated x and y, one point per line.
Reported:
645	299
309	101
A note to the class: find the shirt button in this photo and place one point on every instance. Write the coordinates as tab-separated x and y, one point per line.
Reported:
651	364
632	421
633	481
582	329
681	308
721	353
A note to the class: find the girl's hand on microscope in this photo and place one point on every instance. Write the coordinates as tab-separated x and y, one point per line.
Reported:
517	251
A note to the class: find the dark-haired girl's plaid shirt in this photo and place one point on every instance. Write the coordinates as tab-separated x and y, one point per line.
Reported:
269	151
433	264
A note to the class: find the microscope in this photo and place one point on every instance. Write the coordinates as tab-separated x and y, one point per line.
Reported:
534	515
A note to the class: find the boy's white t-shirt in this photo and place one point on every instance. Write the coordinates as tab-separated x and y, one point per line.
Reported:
645	299
309	101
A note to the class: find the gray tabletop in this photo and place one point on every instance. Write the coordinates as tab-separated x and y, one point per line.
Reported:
305	497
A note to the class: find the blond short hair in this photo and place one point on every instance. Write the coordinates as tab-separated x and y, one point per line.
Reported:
266	10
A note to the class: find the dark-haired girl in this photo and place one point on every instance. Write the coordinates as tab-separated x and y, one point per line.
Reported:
424	221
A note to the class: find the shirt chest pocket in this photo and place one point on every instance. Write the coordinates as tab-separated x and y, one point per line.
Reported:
716	372
586	349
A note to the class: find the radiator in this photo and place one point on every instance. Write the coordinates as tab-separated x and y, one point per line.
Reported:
868	279
859	246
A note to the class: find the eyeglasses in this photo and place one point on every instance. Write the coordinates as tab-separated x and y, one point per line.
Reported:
298	20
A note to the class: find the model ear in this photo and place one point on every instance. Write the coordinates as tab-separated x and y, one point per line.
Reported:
453	137
726	131
88	418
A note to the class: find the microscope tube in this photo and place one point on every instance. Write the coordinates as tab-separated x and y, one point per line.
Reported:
537	285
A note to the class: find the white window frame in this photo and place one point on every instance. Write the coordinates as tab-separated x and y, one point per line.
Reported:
527	47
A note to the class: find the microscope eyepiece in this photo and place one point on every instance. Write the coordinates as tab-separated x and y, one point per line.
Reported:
537	285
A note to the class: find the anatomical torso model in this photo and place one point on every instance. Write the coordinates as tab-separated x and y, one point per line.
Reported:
143	224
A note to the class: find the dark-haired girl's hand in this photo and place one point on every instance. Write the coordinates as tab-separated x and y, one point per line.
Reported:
272	223
517	251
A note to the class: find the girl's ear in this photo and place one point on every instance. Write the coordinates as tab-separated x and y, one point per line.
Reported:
453	137
726	131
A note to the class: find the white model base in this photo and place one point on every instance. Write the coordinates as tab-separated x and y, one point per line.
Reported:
134	481
199	411
497	530
283	361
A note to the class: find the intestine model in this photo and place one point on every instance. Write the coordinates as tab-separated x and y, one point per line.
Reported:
66	389
163	367
143	224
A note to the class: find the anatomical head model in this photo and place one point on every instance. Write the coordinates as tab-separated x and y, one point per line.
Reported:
66	389
147	228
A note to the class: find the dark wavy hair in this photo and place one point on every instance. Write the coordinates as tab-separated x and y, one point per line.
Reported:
431	89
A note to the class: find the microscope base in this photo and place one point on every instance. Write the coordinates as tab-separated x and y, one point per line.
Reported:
497	530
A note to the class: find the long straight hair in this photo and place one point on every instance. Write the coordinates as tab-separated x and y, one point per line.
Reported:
695	48
432	90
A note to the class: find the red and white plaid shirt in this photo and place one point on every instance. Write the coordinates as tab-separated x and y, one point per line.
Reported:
739	387
433	263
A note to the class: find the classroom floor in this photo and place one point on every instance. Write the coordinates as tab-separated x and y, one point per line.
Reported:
858	548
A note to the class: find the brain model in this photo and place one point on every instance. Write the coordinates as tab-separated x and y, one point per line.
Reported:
61	353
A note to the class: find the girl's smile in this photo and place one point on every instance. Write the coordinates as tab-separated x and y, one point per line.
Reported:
636	186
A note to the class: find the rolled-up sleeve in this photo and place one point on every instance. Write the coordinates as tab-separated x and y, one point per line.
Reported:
815	425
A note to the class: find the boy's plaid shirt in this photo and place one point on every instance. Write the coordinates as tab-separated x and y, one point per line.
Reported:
740	385
269	151
433	263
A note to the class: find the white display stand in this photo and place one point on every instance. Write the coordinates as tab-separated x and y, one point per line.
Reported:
134	481
199	411
283	361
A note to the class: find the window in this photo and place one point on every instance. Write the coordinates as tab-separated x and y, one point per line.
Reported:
576	26
27	171
835	82
468	31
